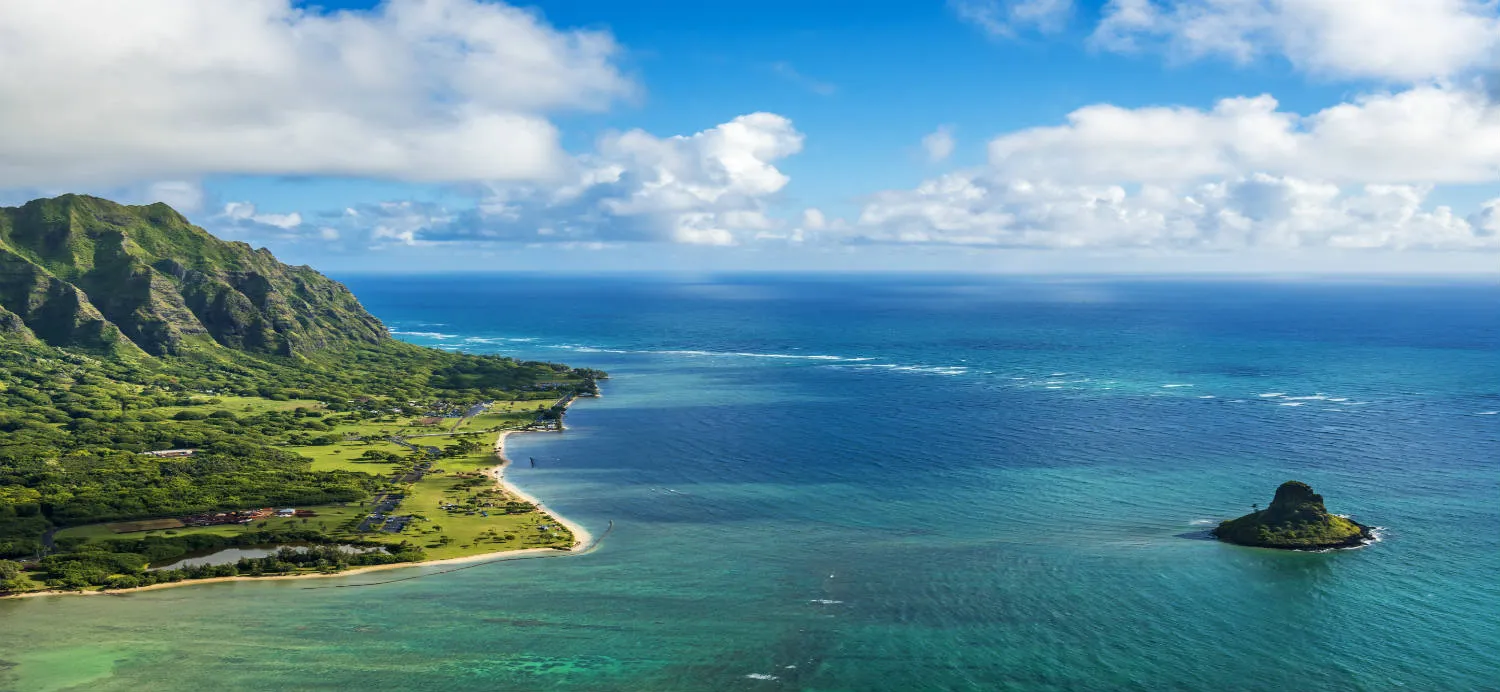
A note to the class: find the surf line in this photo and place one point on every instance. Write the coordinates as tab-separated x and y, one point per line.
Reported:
561	553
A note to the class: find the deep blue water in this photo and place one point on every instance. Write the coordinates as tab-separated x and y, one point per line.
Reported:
877	483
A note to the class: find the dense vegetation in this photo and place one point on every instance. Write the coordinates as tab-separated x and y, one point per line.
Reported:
122	564
121	328
1296	520
85	272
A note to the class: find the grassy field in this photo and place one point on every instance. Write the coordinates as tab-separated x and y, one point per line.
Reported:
345	456
453	481
146	525
469	534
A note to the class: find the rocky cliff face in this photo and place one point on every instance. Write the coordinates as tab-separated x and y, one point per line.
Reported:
1296	520
84	272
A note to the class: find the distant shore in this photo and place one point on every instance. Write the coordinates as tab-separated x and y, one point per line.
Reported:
581	539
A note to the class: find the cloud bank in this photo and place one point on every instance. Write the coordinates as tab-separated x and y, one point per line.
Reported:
100	91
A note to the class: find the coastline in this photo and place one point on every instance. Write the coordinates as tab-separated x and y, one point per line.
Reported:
582	539
581	536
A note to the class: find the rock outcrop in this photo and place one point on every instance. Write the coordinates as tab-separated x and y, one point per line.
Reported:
1296	520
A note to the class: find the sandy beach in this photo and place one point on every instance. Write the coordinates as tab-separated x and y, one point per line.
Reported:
582	539
581	536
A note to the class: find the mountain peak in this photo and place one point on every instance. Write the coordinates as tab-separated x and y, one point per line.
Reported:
86	272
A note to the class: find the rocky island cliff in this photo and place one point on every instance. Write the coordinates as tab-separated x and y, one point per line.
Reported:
1296	520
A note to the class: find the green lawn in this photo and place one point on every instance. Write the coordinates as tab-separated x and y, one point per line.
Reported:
471	534
344	456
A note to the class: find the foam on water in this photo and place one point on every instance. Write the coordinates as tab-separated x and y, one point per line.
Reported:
429	335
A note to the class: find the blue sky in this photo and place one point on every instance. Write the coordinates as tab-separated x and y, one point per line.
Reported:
972	135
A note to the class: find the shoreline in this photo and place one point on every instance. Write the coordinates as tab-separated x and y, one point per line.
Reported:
582	539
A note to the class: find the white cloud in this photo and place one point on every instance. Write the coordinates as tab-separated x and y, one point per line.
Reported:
938	144
813	220
100	92
981	208
1006	18
707	188
184	196
1423	135
245	211
1399	40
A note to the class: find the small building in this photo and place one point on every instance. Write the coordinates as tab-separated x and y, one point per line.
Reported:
288	512
170	453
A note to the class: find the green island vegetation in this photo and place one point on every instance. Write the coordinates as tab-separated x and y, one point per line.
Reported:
1295	520
127	333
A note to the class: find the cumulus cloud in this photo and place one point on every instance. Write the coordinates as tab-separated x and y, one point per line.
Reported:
1421	135
184	196
98	91
980	208
708	188
1397	40
245	211
938	144
1006	18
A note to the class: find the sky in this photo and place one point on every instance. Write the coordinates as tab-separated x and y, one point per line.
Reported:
1018	136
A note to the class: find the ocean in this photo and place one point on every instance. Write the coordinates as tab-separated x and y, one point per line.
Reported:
909	483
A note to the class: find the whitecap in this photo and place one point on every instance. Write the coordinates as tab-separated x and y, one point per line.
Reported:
1174	386
430	335
1203	522
1315	397
1054	387
1208	396
1271	395
1292	403
824	601
1057	374
762	676
1488	413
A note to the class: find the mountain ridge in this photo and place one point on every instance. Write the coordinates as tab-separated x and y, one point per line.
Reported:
83	272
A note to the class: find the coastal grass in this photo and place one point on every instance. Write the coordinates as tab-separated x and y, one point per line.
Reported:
449	534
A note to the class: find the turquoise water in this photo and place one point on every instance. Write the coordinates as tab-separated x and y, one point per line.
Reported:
880	484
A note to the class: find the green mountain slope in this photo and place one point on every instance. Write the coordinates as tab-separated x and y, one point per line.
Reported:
88	273
125	330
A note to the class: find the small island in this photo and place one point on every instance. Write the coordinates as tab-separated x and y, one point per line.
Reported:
1296	520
